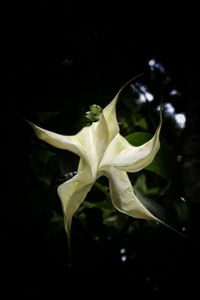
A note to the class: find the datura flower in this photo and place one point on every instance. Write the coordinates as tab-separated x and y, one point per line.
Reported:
103	151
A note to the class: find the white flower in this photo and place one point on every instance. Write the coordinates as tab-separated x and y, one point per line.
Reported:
103	152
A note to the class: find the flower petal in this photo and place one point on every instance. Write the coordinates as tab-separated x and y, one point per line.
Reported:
109	119
130	158
123	197
72	193
105	130
64	142
135	205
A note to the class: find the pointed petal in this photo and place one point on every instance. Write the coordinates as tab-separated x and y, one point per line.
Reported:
93	144
123	197
108	117
130	158
64	142
72	193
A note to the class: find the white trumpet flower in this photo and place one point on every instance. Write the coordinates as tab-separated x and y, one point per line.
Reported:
103	151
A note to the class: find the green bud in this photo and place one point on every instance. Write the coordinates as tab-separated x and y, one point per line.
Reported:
95	109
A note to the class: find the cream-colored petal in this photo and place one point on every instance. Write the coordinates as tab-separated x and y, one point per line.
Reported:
124	156
109	119
93	142
64	142
126	201
108	123
123	197
72	193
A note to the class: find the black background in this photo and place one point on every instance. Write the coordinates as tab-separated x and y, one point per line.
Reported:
55	52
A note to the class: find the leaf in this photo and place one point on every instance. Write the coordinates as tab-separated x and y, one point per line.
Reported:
153	207
182	212
56	218
142	123
138	138
105	206
42	155
92	220
163	163
141	185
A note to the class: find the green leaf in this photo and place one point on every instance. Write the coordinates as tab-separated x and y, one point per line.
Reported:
182	211
42	155
142	123
141	185
56	218
163	163
106	207
138	138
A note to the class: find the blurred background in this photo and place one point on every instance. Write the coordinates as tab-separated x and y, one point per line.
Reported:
61	57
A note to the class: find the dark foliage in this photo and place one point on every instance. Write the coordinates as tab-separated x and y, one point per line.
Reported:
61	58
